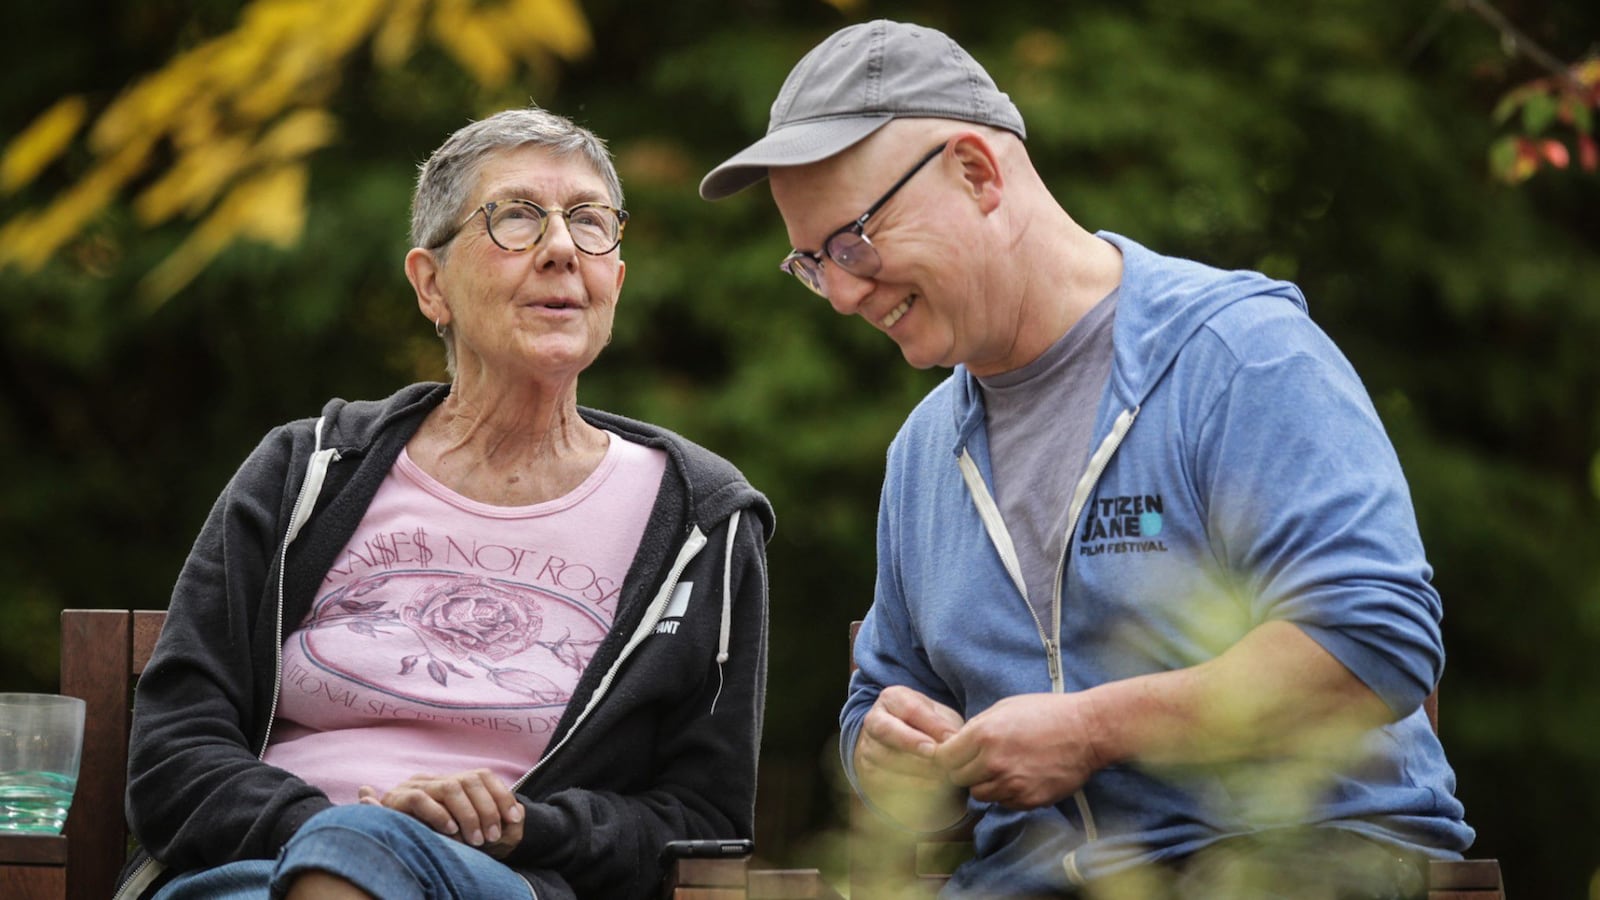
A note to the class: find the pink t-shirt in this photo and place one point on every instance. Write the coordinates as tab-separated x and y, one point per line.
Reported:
450	634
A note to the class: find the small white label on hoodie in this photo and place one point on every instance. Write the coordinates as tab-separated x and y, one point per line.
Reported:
676	607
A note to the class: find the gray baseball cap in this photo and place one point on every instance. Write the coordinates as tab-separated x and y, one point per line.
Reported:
854	83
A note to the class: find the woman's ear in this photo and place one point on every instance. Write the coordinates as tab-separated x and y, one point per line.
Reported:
980	169
422	270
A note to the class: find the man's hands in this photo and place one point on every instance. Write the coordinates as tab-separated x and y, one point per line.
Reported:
473	807
894	758
1024	752
1274	694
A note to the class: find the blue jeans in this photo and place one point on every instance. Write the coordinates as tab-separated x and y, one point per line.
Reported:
387	854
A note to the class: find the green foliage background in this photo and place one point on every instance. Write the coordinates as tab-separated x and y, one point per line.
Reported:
1341	144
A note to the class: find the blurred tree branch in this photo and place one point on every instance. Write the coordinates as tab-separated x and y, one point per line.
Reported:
1516	42
239	116
1568	94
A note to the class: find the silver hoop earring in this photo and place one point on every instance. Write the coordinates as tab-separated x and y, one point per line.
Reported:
438	327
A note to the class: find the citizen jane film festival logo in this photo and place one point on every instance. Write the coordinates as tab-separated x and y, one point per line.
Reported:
1122	525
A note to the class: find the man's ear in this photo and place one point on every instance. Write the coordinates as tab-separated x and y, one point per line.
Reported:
422	270
980	169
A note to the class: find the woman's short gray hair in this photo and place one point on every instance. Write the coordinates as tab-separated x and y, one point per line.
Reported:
446	180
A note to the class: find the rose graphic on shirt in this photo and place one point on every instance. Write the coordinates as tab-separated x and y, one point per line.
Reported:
474	617
462	624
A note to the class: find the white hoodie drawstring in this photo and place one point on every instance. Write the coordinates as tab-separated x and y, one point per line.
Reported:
727	604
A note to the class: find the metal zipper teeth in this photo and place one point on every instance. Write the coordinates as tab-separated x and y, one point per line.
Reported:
1080	496
1000	539
277	646
691	548
277	680
283	565
136	878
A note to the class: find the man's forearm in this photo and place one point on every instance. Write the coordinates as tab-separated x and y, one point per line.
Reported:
1274	692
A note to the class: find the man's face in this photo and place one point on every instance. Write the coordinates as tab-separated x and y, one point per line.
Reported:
926	294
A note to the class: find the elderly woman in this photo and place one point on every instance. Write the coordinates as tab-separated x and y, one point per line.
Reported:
473	640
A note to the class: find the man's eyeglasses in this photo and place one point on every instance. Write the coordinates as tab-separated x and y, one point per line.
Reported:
517	225
849	247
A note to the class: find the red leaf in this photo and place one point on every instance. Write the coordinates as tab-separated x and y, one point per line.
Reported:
1525	163
1556	153
1588	153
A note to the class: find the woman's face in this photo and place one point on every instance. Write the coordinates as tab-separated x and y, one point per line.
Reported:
545	312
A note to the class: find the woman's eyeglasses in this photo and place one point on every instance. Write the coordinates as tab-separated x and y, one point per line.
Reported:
517	225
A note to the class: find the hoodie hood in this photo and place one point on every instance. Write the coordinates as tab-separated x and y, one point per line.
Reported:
1176	298
715	487
1162	302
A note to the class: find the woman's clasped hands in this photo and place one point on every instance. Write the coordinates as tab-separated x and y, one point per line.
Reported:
474	807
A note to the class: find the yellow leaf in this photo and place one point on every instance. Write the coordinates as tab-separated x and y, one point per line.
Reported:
468	37
397	34
270	19
37	237
1588	72
245	55
151	106
41	142
270	76
275	205
201	123
181	266
194	180
202	171
283	47
269	206
18	242
297	134
554	25
340	27
844	6
281	86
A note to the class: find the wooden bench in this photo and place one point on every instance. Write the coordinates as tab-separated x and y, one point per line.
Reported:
103	653
33	866
887	862
733	879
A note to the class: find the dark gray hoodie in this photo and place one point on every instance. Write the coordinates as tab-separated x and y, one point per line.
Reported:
659	741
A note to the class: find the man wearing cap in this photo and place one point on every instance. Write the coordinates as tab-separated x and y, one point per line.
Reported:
1151	601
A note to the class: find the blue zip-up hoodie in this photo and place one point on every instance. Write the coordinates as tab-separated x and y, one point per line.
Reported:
1240	475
